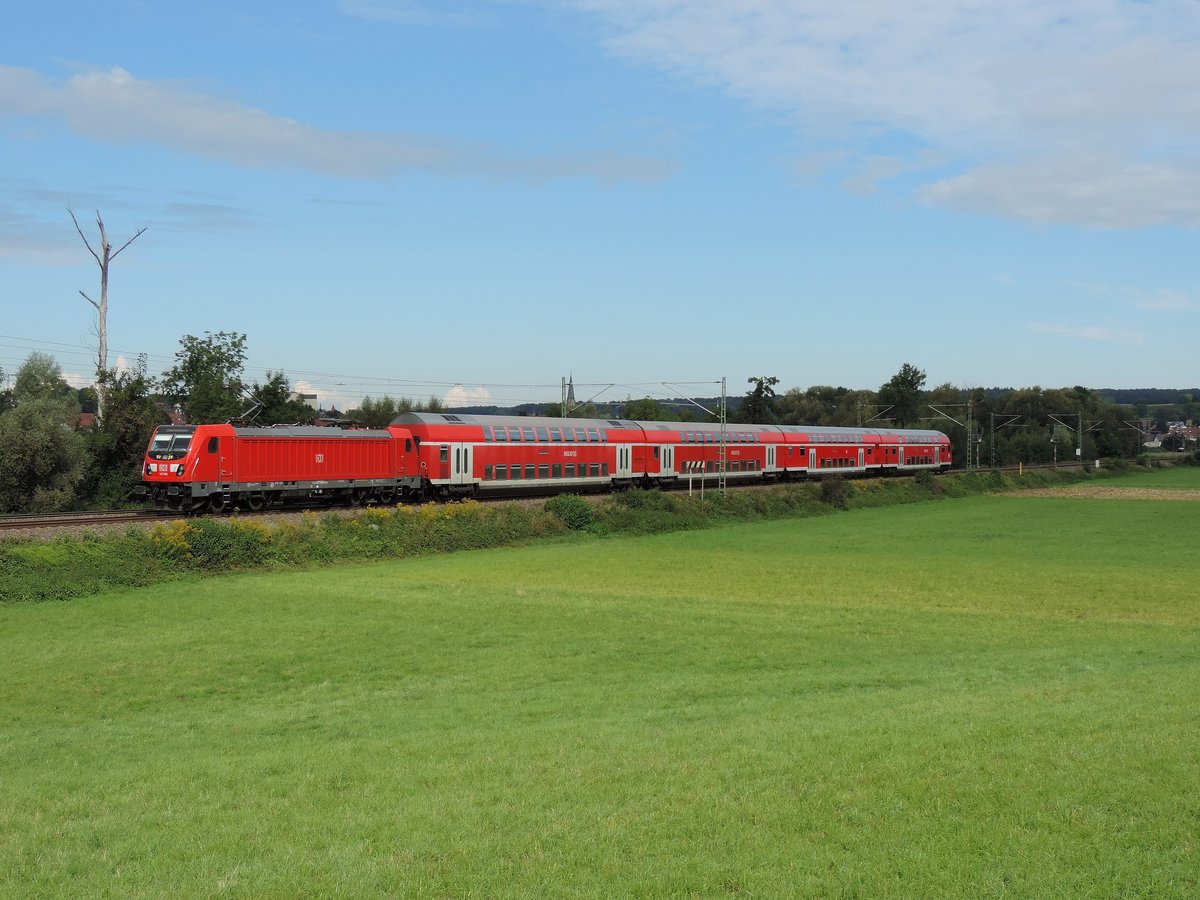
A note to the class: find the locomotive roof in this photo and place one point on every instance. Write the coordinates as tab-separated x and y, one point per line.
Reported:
312	431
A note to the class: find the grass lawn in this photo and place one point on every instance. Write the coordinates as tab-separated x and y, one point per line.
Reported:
1175	478
994	696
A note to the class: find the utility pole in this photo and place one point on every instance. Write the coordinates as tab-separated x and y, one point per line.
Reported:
721	479
1010	420
722	414
966	426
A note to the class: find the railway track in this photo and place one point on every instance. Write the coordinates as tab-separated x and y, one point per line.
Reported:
82	519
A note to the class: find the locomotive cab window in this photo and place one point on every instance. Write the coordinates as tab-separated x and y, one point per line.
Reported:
212	445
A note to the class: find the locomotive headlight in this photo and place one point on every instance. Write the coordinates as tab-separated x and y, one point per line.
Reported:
148	468
179	469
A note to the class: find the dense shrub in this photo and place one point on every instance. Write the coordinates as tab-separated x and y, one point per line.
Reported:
833	491
575	512
82	565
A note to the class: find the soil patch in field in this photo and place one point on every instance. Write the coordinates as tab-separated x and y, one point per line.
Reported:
1100	492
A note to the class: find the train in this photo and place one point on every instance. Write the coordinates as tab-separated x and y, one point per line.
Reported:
425	455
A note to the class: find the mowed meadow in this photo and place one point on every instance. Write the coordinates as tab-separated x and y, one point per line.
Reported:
989	696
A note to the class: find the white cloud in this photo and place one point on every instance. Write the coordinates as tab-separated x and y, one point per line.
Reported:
1101	190
79	380
326	397
116	107
1090	333
1018	94
465	396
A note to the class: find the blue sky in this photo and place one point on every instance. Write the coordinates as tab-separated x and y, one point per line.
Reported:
475	199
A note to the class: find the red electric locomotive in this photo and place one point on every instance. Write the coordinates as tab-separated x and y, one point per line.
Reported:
215	467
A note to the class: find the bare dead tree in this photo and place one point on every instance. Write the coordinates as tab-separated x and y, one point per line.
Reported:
103	258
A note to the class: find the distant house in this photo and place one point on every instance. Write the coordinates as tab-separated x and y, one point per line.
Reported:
87	421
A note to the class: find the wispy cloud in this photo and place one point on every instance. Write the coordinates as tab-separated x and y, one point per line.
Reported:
116	107
1101	333
1159	300
1017	95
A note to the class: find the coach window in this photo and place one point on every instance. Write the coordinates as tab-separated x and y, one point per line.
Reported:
530	472
527	435
501	434
487	432
488	473
544	471
212	445
571	470
593	436
656	453
445	455
557	470
555	434
543	435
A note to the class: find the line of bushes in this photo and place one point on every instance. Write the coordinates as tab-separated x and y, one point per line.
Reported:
81	565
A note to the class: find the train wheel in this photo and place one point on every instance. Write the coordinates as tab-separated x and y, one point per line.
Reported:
387	496
216	503
357	496
256	502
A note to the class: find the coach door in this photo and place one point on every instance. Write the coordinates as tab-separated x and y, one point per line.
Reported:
461	458
812	459
666	459
624	460
862	457
771	458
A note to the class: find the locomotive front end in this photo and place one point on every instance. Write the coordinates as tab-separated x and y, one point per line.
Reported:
169	458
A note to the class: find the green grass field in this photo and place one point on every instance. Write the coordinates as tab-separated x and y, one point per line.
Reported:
994	696
1175	478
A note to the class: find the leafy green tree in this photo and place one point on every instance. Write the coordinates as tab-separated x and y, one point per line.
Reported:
6	400
276	405
646	410
42	455
119	443
380	413
759	405
903	393
40	378
206	379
